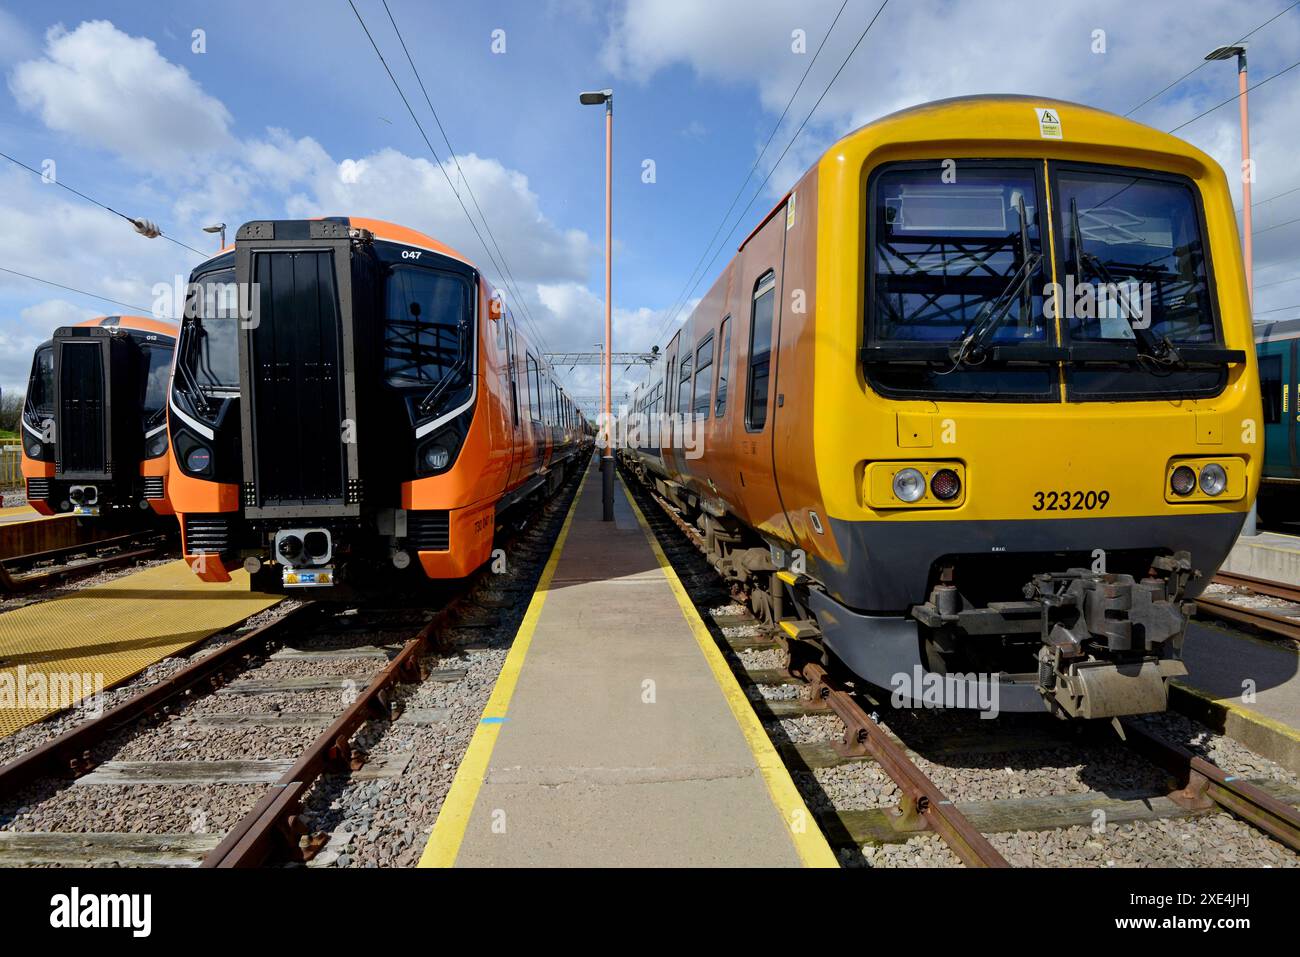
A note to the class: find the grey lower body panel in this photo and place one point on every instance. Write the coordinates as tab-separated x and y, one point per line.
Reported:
886	565
886	651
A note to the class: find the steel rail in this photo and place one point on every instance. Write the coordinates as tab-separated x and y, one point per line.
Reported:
924	806
1262	586
14	580
69	753
1203	784
1261	618
275	821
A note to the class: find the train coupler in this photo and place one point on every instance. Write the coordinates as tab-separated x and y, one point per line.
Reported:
1109	642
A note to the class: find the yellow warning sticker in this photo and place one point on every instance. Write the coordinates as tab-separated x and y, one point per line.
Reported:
1049	123
789	211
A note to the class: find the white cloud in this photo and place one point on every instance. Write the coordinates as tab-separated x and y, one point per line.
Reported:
18	341
117	92
926	50
413	191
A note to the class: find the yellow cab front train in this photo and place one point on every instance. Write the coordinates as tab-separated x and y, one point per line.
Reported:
980	405
352	404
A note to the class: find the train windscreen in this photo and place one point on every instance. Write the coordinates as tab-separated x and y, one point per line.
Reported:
427	342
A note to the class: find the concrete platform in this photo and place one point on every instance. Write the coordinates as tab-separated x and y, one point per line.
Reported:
1269	555
616	734
1223	666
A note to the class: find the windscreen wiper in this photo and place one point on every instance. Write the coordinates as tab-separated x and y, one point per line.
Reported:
191	385
435	394
996	310
971	346
1161	349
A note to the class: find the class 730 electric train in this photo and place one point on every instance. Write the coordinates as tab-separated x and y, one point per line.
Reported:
976	406
94	421
350	399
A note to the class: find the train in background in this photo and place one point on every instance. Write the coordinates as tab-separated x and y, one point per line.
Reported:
1276	345
975	406
94	421
365	410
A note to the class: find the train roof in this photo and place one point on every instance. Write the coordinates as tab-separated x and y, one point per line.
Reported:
1007	124
1277	331
384	230
160	327
1012	117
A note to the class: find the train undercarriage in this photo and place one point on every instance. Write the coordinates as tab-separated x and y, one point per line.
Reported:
1032	632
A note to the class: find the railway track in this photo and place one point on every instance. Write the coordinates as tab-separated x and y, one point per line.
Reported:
1177	784
318	673
1266	620
35	571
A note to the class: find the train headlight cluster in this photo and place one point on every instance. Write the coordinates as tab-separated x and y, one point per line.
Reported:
909	484
198	459
945	484
436	458
1213	479
1183	481
913	484
157	446
1205	480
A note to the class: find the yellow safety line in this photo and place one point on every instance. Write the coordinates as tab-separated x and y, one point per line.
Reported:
1246	714
809	842
448	832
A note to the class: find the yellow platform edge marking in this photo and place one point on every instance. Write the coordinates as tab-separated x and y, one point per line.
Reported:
1246	714
804	832
443	846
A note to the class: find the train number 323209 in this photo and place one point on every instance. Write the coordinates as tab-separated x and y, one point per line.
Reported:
1071	501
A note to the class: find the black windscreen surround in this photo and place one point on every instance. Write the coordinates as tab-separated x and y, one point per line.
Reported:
81	438
295	349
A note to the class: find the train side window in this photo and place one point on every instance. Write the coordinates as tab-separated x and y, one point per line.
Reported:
724	358
684	386
760	351
668	388
534	389
1270	387
703	372
514	372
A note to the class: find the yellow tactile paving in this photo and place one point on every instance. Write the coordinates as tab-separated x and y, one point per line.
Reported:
105	634
19	513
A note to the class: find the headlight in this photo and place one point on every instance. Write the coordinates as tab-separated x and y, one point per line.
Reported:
198	459
1213	479
909	485
157	446
436	458
34	450
1183	481
945	485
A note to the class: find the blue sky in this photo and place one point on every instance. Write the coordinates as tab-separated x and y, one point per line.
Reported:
288	112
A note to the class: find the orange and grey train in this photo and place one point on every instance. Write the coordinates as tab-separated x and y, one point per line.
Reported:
976	405
94	423
350	400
